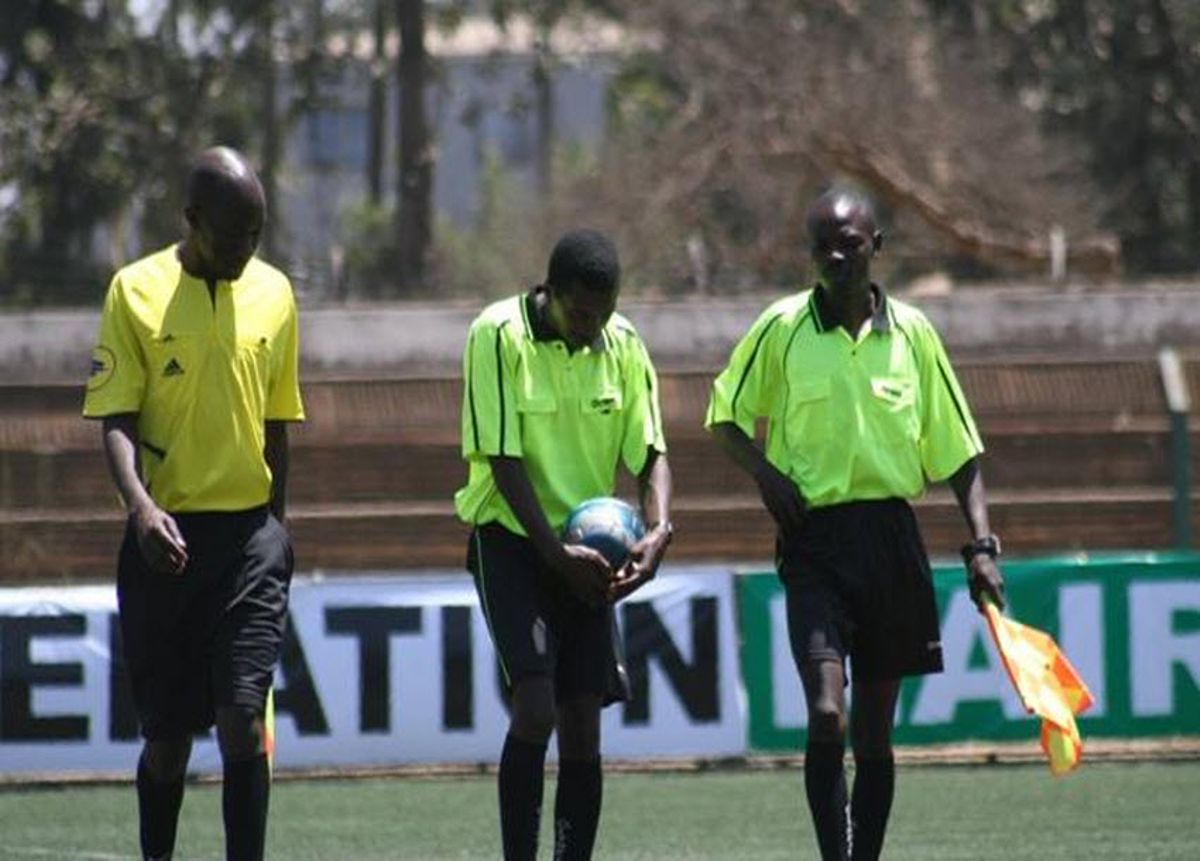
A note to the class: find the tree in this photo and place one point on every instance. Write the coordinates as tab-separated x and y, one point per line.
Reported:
414	182
1121	80
742	112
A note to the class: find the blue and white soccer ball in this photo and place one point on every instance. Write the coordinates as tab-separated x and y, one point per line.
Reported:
608	525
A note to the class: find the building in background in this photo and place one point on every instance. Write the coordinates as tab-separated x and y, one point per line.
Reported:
485	114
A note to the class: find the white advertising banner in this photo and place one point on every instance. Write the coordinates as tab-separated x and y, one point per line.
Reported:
375	670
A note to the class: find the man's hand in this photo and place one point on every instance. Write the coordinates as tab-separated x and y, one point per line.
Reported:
585	572
159	539
642	565
985	581
781	497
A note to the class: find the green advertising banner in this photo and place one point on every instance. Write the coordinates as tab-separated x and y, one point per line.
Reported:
1130	623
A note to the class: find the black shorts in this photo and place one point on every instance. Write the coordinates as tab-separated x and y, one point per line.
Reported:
858	585
210	636
539	628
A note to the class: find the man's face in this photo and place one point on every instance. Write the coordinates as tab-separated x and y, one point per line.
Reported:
842	248
226	238
579	313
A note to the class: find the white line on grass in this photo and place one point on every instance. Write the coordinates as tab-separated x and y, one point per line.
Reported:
43	852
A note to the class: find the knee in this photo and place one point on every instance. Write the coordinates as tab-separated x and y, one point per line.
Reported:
579	731
826	722
871	742
240	733
533	715
166	760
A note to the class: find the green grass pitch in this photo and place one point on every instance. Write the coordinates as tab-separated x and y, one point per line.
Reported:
1105	810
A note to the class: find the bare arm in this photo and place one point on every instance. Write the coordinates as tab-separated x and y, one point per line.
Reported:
779	493
585	570
158	536
983	574
654	490
276	453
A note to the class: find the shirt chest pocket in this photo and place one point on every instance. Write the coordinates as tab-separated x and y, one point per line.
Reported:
253	356
809	413
604	401
894	406
537	403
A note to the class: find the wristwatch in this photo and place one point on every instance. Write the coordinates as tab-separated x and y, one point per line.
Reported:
986	544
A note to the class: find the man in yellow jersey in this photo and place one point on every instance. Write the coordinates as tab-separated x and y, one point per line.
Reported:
195	378
862	409
559	391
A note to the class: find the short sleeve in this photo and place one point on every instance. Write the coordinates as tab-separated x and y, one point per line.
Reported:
117	378
643	414
283	399
490	423
949	437
744	391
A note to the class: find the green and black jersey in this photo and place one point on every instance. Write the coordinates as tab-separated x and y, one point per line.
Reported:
572	417
870	416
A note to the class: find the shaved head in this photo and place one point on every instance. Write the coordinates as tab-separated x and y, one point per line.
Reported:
840	206
843	239
221	177
225	211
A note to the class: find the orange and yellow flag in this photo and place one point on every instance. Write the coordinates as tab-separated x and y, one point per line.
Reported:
269	728
1047	684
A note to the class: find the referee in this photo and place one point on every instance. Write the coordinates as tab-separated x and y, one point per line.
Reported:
862	410
559	391
195	378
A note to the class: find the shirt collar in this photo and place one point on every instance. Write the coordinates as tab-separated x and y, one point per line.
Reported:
819	303
537	320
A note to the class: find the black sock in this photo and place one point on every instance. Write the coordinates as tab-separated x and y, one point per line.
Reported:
244	797
158	813
577	808
825	784
522	771
874	785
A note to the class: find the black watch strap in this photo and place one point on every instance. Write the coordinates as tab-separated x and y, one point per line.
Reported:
988	545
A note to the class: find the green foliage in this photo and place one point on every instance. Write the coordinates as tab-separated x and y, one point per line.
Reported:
368	236
502	251
100	114
1122	79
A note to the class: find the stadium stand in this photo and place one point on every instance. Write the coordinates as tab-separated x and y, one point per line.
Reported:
1078	457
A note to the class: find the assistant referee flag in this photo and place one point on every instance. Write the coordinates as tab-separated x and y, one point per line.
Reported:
1047	684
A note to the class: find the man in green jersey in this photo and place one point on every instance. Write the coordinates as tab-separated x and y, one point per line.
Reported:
863	409
559	390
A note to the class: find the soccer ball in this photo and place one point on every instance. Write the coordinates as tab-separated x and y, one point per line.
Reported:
609	526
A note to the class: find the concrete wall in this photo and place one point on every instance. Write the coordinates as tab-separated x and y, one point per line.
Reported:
53	346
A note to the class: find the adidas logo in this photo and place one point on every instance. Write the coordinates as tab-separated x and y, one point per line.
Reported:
173	368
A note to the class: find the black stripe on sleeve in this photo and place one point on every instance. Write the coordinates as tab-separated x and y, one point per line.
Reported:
500	381
962	416
471	387
654	416
160	453
750	363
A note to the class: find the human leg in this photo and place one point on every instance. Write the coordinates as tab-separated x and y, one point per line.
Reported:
247	642
156	660
506	572
522	766
580	778
160	775
871	719
246	784
824	770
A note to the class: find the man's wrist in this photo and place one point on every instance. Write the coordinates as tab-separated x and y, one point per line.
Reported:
665	527
985	545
